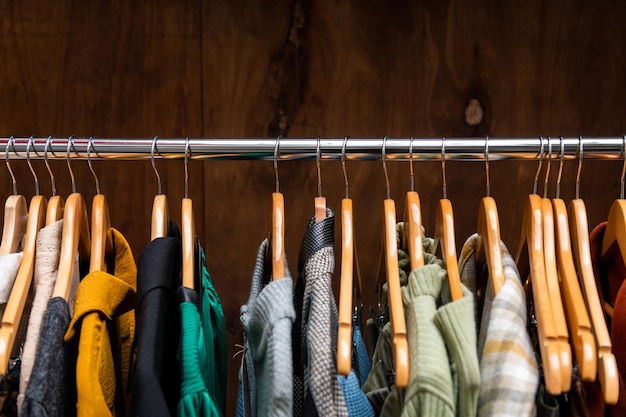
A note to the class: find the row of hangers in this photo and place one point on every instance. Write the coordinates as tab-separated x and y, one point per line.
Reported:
552	243
542	220
78	241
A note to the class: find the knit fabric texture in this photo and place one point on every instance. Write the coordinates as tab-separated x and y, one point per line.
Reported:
195	399
455	320
266	319
356	400
508	369
52	388
430	391
362	358
104	302
9	264
48	249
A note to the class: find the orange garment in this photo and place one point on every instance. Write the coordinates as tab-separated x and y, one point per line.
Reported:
104	322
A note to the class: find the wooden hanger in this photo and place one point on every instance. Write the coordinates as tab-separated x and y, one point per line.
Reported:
607	366
15	305
188	231
412	235
75	240
101	235
554	294
160	224
320	202
344	333
444	235
396	306
56	203
277	235
15	214
531	237
577	318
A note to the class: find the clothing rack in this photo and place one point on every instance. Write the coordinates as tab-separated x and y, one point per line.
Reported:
490	148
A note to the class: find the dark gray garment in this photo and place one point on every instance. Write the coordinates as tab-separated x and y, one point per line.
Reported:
52	387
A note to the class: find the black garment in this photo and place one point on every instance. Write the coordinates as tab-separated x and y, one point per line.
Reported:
318	235
52	387
155	379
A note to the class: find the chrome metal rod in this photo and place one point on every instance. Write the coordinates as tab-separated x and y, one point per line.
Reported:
306	148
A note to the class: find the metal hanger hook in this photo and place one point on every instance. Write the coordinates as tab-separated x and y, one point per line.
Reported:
53	182
318	157
444	184
343	164
580	165
539	167
411	164
276	156
545	182
187	156
384	155
10	142
488	183
30	142
621	181
89	147
562	160
156	172
70	144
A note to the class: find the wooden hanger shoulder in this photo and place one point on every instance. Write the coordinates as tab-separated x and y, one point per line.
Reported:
444	239
489	231
101	238
15	215
344	334
413	229
160	224
55	209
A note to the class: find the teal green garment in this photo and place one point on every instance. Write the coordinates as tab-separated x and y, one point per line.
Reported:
215	339
195	399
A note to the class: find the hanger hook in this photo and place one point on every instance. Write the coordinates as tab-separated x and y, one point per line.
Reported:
70	144
89	146
539	167
384	155
30	142
276	156
488	184
10	142
343	164
156	172
53	182
411	164
580	165
545	182
318	157
444	184
187	156
621	182
562	160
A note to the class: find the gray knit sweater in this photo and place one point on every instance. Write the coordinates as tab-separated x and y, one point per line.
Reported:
267	319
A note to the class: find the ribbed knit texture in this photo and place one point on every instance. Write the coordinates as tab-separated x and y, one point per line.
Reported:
509	372
267	320
48	250
356	400
455	320
430	391
194	396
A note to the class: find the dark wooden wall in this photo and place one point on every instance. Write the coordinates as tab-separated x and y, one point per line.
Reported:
302	69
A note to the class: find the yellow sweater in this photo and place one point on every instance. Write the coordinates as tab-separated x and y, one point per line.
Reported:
104	323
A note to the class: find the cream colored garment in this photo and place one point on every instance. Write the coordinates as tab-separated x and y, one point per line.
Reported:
48	251
9	264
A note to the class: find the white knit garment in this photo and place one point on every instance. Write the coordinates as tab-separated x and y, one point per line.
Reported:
9	264
48	251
